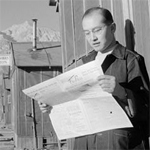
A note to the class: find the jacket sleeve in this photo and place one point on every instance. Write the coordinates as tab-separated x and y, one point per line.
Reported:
138	80
138	87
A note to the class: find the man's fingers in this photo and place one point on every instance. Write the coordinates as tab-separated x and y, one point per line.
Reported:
105	77
44	107
42	104
107	83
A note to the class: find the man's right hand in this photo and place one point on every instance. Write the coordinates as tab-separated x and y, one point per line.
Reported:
44	107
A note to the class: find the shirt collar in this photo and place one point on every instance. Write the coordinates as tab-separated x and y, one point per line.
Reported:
119	51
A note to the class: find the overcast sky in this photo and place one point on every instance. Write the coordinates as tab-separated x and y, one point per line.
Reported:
18	11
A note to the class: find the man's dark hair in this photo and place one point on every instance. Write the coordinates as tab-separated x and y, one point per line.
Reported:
108	19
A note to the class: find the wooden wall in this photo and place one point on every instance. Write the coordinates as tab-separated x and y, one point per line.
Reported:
132	18
25	77
30	68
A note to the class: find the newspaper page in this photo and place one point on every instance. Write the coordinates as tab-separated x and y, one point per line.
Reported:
80	106
90	114
65	87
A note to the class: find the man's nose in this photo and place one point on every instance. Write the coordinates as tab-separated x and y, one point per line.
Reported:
93	36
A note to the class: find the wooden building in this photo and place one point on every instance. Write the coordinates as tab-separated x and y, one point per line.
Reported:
132	18
30	128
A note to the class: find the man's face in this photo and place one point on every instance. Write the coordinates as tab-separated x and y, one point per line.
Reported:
99	35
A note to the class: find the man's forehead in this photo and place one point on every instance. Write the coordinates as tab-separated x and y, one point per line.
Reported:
95	16
93	21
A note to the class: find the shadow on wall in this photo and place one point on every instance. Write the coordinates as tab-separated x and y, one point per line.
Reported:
130	44
129	34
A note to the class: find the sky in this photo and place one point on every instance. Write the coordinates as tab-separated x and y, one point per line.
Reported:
18	11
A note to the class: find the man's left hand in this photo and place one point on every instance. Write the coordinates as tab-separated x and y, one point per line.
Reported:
107	83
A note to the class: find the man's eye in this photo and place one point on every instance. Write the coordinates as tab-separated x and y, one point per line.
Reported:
98	30
87	33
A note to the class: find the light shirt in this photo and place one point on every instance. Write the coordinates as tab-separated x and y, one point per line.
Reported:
101	56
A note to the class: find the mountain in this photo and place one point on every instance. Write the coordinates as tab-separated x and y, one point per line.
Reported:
24	33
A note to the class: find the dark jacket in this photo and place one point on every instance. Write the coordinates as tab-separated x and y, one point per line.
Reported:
132	88
132	93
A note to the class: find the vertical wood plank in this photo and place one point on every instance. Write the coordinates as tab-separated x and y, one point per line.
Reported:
63	34
106	4
68	22
89	4
14	107
79	35
117	12
142	29
21	104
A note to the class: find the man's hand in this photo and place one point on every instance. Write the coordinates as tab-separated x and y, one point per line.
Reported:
44	107
107	83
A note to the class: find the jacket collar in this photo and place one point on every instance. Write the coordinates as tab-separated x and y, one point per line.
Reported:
118	52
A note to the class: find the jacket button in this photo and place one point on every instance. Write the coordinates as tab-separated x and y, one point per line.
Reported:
141	88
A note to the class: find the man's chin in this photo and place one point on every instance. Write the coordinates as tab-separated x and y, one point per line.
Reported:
98	49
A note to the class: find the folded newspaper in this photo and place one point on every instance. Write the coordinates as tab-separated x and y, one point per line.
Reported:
80	106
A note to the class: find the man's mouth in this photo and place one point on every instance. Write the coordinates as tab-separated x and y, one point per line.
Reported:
96	44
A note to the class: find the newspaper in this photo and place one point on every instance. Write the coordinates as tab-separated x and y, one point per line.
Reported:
80	106
67	86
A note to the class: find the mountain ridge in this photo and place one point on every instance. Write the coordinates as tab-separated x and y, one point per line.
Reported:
24	33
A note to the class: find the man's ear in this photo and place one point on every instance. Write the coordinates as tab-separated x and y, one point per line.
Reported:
113	27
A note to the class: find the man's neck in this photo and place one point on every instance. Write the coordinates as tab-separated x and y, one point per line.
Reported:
110	47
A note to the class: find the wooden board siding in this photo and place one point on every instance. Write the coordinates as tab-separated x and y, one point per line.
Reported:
27	71
25	77
5	102
141	20
132	18
50	54
7	108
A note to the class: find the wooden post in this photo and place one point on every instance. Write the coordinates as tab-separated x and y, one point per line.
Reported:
34	125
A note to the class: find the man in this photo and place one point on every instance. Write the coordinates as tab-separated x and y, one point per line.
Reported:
125	77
